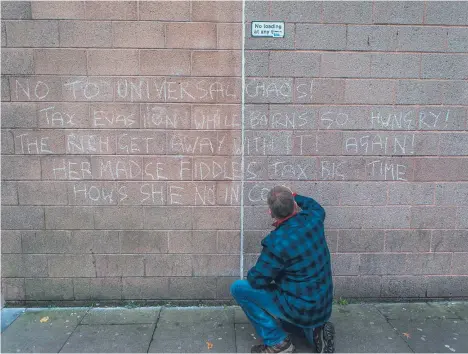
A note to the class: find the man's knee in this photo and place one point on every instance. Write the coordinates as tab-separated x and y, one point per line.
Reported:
238	287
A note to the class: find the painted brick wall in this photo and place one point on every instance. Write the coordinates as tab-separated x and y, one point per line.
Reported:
122	153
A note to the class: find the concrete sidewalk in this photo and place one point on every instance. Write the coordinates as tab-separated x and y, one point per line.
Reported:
414	327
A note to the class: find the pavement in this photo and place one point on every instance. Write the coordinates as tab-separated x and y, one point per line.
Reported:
439	327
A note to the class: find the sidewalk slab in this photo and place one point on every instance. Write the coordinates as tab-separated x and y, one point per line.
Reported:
361	328
122	315
459	308
417	311
9	315
29	334
127	338
194	330
437	335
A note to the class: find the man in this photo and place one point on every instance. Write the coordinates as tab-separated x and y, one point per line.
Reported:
292	279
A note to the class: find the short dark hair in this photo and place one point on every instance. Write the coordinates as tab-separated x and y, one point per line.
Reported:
281	202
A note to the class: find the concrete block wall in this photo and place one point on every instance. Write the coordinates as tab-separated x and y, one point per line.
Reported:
122	151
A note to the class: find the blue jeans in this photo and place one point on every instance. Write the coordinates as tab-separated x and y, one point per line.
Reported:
263	313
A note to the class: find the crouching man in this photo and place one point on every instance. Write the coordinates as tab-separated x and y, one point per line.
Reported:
291	283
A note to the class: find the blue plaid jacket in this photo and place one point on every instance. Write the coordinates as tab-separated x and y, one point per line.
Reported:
296	258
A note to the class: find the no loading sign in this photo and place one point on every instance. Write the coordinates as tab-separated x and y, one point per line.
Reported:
267	29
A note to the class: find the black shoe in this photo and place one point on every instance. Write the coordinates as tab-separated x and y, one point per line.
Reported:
285	346
324	338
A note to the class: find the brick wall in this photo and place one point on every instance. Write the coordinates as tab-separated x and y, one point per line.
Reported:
122	153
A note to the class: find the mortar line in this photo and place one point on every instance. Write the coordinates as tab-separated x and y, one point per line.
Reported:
77	325
241	266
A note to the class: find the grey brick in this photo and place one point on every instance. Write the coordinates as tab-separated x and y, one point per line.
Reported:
18	115
457	39
449	241
323	37
332	240
104	10
72	266
379	38
451	193
22	217
16	10
298	11
143	241
228	242
369	91
368	193
46	242
462	214
215	265
42	193
113	62
9	193
138	34
192	241
21	167
382	264
36	88
252	241
119	218
395	65
407	241
58	9
223	287
422	39
344	217
386	217
453	144
410	193
192	288
32	33
85	34
404	286
17	61
345	264
174	265
24	265
450	13
347	12
257	218
441	169
8	143
4	36
49	289
294	64
97	288
167	218
147	288
95	241
5	89
69	217
327	91
292	168
345	65
444	66
88	88
118	265
13	289
459	264
257	10
227	219
419	92
456	92
431	118
429	263
266	90
326	193
447	286
356	287
11	241
398	12
361	241
60	61
429	217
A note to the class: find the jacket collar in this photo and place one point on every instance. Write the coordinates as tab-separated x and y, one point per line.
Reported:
278	222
